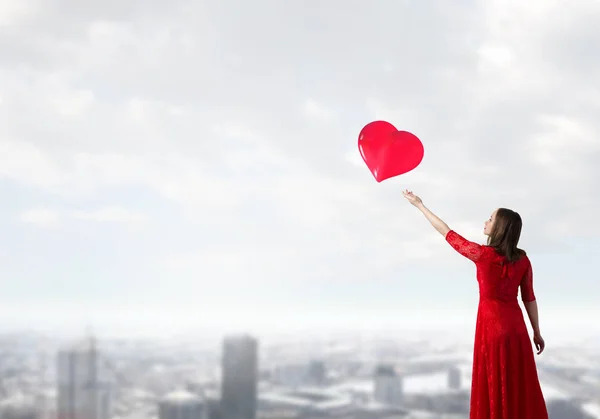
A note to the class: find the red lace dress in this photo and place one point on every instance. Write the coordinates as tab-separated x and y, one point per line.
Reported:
505	382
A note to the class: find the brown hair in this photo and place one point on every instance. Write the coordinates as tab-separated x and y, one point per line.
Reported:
505	234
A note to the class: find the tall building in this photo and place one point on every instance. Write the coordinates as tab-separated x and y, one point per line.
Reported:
239	380
388	386
18	407
182	405
82	394
317	372
454	378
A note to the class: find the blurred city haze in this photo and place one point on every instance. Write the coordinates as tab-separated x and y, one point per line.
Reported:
339	374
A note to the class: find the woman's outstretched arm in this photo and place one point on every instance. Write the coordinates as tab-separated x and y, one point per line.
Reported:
435	221
468	249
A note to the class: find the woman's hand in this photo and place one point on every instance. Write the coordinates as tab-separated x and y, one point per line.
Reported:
539	343
412	198
435	221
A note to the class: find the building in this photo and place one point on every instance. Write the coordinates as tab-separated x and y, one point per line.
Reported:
82	392
18	407
290	375
182	405
388	386
239	380
454	378
317	372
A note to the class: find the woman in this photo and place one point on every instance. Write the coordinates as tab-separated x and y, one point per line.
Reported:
505	382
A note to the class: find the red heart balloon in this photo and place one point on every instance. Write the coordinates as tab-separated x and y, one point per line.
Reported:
388	152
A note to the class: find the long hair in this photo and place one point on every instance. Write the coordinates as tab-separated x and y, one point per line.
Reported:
506	233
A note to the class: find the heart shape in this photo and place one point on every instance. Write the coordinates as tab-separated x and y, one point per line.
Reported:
388	152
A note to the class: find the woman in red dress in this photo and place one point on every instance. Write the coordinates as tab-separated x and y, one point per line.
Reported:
505	382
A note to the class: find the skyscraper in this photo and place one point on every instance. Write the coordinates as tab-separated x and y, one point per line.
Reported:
454	378
239	381
81	393
388	385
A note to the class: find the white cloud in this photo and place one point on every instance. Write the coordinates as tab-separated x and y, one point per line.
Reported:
317	111
74	104
498	56
27	163
41	217
11	12
561	147
111	214
46	217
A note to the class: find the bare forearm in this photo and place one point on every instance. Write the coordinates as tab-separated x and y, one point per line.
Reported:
435	221
532	312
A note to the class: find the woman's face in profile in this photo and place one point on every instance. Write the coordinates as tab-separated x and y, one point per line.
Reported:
489	224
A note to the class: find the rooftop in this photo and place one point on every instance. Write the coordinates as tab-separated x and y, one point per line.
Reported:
181	396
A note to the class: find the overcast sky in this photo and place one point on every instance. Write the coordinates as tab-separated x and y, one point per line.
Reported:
194	163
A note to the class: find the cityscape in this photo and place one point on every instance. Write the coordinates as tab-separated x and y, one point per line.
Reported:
344	376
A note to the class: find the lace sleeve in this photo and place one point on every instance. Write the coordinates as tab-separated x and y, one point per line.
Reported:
527	294
468	249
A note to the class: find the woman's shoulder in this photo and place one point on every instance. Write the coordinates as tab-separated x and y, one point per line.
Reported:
493	253
490	252
523	259
523	255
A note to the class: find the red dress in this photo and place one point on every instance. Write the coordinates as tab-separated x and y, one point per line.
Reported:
505	382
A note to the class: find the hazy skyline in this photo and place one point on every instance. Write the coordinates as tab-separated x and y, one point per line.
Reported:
195	163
